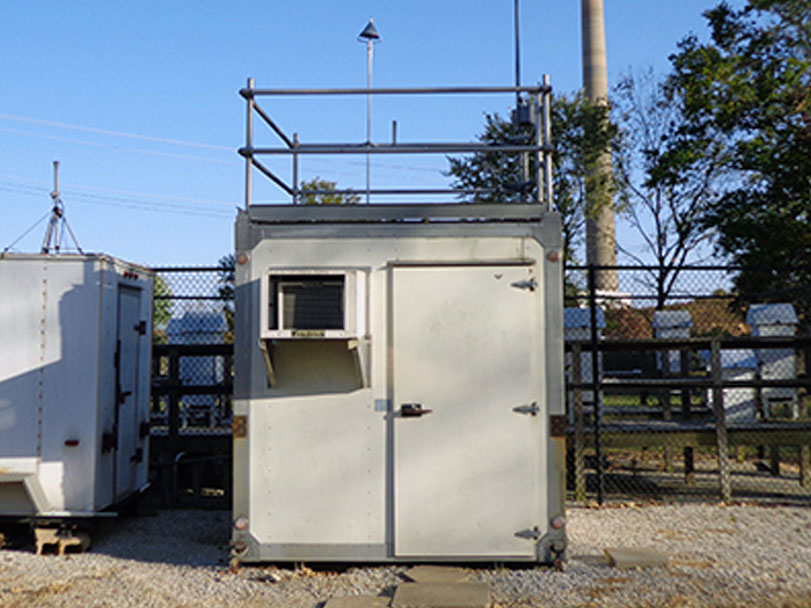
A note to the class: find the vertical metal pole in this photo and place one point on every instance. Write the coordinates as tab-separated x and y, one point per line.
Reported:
524	157
55	193
579	431
595	383
174	422
57	233
540	155
517	24
295	170
547	127
249	147
369	54
52	232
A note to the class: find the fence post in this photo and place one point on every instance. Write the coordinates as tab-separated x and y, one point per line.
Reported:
805	466
720	421
174	419
595	383
579	434
689	463
667	412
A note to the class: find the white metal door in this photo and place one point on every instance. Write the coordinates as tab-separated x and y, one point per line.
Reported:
127	358
465	347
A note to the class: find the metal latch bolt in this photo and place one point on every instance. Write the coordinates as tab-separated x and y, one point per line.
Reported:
413	410
529	284
532	409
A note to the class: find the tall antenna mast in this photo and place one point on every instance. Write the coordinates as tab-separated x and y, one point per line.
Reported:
517	18
58	223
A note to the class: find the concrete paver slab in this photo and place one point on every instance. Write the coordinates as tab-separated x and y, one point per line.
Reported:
436	574
637	557
442	595
357	601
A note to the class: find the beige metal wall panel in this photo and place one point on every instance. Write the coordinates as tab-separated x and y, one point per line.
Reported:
69	383
317	470
22	296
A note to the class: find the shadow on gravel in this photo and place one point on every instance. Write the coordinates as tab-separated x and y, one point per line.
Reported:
177	537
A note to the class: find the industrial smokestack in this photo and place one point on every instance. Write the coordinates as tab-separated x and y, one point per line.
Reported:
601	245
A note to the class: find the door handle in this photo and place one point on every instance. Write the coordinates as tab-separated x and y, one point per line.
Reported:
413	410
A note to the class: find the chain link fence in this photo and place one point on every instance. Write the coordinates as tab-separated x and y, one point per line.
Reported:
700	393
192	385
193	307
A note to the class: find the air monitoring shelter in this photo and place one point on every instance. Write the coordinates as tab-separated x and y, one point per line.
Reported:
399	366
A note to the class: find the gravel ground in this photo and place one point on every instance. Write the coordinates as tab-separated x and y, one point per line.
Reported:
719	556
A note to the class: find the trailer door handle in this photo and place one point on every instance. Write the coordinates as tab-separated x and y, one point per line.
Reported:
413	410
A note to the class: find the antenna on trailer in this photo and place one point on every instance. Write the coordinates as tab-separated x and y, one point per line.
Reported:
517	18
521	115
58	223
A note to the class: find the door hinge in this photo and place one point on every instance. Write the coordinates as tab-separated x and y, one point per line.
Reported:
530	533
532	409
140	328
529	284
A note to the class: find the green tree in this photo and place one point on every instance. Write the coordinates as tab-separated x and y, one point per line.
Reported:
319	191
161	309
227	280
749	89
580	132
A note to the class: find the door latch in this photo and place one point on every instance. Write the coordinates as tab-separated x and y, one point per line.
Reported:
413	410
532	409
529	284
529	534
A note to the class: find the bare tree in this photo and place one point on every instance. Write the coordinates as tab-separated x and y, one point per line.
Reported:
665	196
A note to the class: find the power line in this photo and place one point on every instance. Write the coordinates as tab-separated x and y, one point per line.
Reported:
130	202
152	138
96	144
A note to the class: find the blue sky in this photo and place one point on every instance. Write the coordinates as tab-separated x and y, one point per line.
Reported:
138	100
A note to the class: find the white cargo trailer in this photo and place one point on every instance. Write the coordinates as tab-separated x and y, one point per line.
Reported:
74	383
399	390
